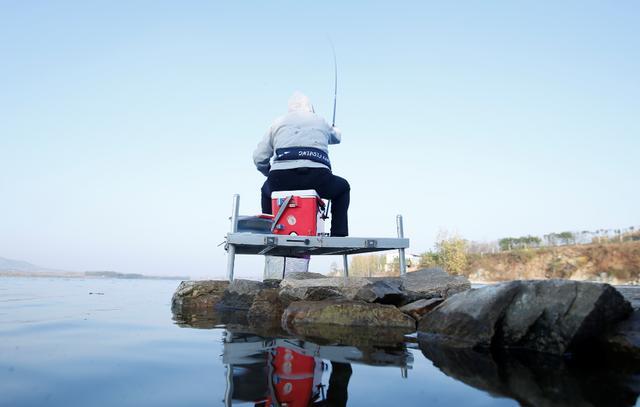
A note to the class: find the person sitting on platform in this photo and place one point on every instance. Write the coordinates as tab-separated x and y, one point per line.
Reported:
300	140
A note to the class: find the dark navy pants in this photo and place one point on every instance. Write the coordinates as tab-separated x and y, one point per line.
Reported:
327	185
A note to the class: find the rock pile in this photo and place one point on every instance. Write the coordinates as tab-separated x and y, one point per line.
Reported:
549	316
308	298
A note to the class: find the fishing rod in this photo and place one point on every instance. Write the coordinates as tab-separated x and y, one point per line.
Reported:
335	82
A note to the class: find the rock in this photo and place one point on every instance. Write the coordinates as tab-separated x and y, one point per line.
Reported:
289	295
632	294
422	284
469	318
240	294
345	313
267	308
551	316
624	339
332	282
380	291
245	287
432	283
303	276
198	296
271	283
419	308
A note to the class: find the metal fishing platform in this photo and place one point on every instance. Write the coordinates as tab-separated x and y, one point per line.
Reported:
243	242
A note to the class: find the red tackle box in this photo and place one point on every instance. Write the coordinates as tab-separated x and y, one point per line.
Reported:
301	217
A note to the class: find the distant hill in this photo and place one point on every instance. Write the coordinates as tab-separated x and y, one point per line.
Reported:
20	268
11	265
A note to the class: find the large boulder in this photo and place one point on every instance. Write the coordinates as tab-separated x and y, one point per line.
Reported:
551	316
382	290
387	291
632	294
308	287
418	309
432	283
623	341
240	294
266	308
291	294
469	318
422	284
346	287
346	313
198	296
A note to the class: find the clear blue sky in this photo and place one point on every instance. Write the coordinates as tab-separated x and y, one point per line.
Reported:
125	127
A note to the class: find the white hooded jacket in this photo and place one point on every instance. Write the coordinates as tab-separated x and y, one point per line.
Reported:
299	139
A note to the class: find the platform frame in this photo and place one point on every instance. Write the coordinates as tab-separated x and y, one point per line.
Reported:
292	246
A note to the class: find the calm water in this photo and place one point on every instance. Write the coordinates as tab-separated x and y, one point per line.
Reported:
68	342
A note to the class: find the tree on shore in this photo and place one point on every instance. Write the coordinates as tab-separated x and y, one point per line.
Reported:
368	265
450	254
524	242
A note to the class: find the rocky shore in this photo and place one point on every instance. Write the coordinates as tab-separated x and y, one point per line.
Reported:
613	263
553	317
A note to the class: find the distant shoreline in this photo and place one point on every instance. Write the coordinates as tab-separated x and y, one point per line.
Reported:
88	274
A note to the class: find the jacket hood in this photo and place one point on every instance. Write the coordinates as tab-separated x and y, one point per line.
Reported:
298	102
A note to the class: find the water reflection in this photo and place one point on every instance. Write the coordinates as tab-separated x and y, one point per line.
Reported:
535	379
313	366
269	366
294	372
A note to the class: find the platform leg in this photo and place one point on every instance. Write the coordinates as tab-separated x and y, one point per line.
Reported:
231	259
403	261
345	263
231	249
228	392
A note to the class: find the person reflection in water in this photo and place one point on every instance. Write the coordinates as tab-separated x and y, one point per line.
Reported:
295	380
284	372
338	383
